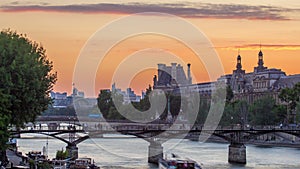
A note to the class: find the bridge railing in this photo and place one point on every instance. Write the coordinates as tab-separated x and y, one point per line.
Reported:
136	126
52	126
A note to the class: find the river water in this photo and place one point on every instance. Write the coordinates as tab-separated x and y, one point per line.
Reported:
128	153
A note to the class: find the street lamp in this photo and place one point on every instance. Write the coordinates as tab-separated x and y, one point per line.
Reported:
288	113
243	123
231	122
294	116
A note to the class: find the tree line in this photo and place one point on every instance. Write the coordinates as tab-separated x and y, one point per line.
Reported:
263	111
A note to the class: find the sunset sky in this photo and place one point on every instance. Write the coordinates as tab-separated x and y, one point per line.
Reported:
64	27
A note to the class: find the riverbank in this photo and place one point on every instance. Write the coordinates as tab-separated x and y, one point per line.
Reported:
275	144
259	143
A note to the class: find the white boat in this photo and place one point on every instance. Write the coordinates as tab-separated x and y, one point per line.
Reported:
175	162
59	164
83	163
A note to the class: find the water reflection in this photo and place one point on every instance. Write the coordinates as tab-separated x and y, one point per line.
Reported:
132	153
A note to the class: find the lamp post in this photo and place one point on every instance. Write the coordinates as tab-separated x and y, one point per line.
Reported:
231	122
243	123
288	114
297	110
169	115
294	116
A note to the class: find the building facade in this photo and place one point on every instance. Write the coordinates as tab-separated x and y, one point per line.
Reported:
262	82
171	76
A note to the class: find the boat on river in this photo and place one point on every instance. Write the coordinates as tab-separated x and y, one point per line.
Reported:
59	164
176	162
83	163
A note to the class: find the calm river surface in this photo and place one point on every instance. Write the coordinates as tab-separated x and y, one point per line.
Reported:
132	153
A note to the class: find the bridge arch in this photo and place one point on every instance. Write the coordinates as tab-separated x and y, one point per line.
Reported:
55	133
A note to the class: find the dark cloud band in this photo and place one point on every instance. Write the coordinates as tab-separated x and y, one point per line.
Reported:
190	10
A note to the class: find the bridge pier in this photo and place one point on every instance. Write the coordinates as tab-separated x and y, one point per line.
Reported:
155	152
237	153
72	150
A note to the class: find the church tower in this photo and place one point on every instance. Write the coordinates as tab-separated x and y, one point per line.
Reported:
239	63
260	67
237	79
260	59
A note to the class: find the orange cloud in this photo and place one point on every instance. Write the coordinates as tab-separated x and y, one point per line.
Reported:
257	47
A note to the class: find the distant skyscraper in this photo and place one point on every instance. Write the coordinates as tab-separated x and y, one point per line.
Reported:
128	94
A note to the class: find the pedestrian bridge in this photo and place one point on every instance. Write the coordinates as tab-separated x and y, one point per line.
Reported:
154	133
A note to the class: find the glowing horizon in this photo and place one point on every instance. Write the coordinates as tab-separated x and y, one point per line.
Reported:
63	29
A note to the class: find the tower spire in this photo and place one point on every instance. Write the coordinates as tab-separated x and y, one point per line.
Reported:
239	61
260	67
260	58
189	77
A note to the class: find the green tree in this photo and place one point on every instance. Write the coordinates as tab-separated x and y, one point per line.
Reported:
104	102
107	102
242	111
114	114
298	112
291	95
148	107
235	113
145	102
159	107
61	154
229	94
175	104
262	112
4	121
25	82
225	94
229	113
280	112
44	165
204	107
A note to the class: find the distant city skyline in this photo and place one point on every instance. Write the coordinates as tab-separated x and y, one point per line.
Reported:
64	27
